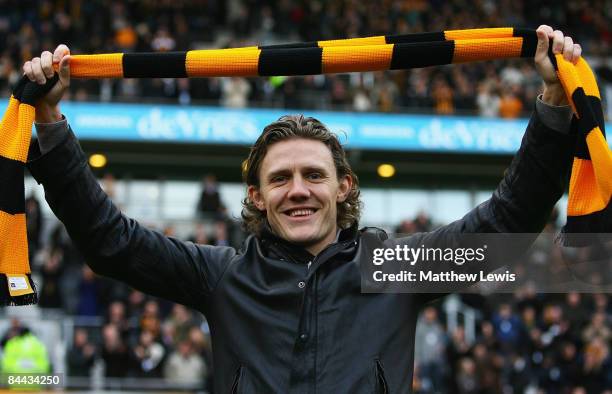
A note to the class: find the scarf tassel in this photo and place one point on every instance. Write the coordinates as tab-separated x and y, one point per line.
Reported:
6	299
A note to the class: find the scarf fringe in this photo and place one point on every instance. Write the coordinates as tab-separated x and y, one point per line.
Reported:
7	300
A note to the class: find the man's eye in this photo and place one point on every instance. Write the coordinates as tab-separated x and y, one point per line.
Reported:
315	176
278	179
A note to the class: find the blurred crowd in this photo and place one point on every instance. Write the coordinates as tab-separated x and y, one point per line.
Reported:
524	341
497	88
529	342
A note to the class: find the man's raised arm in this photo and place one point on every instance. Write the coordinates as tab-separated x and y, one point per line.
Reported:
112	244
529	190
539	172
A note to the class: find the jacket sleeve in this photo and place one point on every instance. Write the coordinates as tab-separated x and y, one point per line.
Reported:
531	186
522	203
117	246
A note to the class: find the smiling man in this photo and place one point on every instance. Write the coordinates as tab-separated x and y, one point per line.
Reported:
287	314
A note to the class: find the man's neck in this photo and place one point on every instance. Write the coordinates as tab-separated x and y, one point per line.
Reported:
319	247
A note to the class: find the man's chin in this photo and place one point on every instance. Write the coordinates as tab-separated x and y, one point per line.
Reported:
303	240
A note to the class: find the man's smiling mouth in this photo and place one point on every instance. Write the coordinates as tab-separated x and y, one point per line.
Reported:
300	212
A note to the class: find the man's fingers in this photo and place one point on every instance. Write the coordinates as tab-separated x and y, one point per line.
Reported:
64	70
568	49
61	55
46	62
545	34
61	51
558	41
546	30
37	72
542	40
577	53
27	70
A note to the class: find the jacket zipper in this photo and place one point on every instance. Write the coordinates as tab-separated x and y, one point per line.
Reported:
308	296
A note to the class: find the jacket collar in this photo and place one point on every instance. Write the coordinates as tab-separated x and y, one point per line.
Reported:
275	246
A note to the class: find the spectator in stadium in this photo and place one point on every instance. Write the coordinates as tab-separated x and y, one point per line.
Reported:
487	335
466	381
487	100
361	100
34	223
82	355
117	317
220	234
489	365
176	328
184	366
597	328
457	349
200	235
442	95
422	222
510	106
508	327
235	92
201	345
150	321
24	353
51	294
417	94
287	314
88	294
209	204
517	372
13	330
429	351
568	365
114	352
385	93
136	301
602	304
576	312
596	366
147	356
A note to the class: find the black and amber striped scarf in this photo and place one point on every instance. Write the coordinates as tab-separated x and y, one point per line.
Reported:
590	185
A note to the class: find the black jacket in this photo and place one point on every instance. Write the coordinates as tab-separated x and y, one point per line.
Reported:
279	325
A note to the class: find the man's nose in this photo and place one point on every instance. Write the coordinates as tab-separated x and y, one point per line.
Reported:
298	188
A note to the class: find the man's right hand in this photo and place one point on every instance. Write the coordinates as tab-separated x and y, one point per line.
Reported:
38	70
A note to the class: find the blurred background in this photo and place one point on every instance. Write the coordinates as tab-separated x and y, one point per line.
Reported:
428	145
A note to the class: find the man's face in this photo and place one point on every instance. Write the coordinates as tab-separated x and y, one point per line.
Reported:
299	191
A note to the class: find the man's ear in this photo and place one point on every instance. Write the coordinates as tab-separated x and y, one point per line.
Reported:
256	197
344	187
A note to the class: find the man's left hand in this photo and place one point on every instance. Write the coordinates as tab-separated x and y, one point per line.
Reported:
553	91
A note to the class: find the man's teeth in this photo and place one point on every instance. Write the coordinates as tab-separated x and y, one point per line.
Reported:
302	212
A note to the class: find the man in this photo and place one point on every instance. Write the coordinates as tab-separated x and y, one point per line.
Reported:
24	354
287	315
